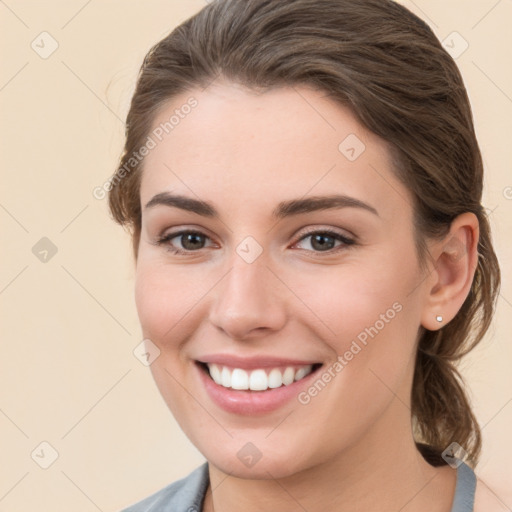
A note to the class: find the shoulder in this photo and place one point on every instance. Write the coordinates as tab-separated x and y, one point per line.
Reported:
185	494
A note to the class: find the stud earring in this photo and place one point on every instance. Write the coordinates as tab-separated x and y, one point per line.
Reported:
439	318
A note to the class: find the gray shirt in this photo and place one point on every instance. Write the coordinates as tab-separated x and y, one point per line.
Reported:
187	494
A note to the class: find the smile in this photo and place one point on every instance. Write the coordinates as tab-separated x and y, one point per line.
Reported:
253	385
258	379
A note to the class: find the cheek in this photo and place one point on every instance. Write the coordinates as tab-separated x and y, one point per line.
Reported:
166	297
352	299
163	299
153	299
369	318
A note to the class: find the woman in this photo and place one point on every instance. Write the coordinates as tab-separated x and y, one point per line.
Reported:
303	186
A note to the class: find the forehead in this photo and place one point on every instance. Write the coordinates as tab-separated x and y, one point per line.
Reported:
258	147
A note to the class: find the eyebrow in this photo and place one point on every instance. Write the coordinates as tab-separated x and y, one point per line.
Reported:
283	209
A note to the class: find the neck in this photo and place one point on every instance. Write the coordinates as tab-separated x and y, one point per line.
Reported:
377	473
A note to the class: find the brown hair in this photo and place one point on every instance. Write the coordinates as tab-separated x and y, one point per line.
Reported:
388	67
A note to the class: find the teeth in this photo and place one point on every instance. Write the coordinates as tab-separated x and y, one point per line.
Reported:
239	379
301	373
256	380
225	377
275	379
215	373
288	376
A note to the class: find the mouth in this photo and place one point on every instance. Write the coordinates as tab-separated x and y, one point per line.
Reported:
257	379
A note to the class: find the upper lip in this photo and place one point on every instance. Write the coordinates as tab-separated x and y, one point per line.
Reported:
261	361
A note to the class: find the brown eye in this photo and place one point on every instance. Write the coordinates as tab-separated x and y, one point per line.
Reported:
322	242
325	241
190	241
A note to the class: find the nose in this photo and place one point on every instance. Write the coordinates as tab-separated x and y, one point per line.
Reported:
249	301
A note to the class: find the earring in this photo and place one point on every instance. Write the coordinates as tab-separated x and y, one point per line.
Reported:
439	318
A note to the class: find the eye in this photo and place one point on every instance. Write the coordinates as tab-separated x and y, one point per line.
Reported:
190	240
324	241
193	241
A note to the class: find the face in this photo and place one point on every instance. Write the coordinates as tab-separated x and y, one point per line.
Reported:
277	252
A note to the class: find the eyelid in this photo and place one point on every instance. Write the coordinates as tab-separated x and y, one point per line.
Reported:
331	230
171	232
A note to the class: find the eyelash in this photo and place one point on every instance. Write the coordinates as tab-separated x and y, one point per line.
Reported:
347	242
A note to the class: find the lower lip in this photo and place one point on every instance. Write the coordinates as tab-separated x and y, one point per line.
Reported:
252	402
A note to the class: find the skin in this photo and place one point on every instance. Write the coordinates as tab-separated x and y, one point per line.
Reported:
351	447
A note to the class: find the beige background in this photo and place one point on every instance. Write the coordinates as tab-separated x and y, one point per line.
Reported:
68	374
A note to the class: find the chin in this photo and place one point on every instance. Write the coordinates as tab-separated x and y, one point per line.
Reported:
264	469
245	460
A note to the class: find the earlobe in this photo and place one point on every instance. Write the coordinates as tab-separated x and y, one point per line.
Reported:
455	261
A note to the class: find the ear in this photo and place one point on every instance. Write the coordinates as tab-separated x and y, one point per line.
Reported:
455	259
